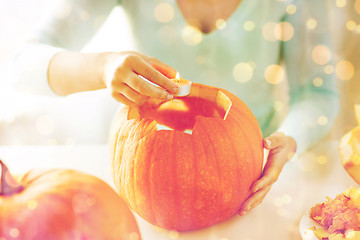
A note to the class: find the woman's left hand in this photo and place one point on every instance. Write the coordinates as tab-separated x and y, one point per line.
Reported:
281	149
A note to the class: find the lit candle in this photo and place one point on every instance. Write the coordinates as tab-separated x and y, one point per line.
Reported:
183	84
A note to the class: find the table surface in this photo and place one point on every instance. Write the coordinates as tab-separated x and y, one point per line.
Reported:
304	181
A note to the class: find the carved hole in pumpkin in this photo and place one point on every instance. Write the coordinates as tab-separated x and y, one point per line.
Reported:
181	113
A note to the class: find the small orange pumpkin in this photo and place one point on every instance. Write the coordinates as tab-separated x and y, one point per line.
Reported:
64	205
195	173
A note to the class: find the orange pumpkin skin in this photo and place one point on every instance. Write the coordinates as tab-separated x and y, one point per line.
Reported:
65	205
183	181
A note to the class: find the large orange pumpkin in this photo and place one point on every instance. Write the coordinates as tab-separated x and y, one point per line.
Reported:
198	169
62	205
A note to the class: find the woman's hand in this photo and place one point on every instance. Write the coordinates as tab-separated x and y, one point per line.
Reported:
281	149
122	73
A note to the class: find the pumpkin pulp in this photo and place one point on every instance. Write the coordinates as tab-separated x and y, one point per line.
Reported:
181	113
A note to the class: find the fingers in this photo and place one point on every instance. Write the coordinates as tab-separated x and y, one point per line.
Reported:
282	148
122	90
122	99
145	88
141	67
165	69
254	200
135	77
270	175
274	140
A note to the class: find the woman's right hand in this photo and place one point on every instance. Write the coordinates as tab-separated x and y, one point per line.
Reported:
121	75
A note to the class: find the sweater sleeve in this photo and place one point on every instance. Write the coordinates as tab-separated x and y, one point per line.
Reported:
69	25
309	60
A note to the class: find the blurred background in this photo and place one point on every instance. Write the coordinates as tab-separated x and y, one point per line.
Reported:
85	118
27	119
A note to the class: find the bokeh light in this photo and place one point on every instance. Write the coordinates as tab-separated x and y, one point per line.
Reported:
340	3
318	82
14	233
79	200
191	35
249	26
311	23
164	12
351	25
242	72
322	120
291	9
283	200
32	204
278	106
284	31
329	69
274	74
322	159
220	24
345	70
173	234
321	54
134	236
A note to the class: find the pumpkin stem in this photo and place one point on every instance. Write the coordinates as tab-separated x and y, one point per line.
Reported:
8	185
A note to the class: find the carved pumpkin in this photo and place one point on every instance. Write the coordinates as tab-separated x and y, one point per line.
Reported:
187	163
64	205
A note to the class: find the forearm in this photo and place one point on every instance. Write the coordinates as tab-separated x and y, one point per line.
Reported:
309	120
71	72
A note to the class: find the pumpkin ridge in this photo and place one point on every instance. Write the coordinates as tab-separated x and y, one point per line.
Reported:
237	154
253	152
195	179
113	159
121	164
130	166
211	146
123	138
177	200
129	181
133	173
145	175
150	180
234	195
116	164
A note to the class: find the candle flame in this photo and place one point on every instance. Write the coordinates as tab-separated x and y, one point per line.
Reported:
177	77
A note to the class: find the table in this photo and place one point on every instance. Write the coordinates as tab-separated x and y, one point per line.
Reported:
305	181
